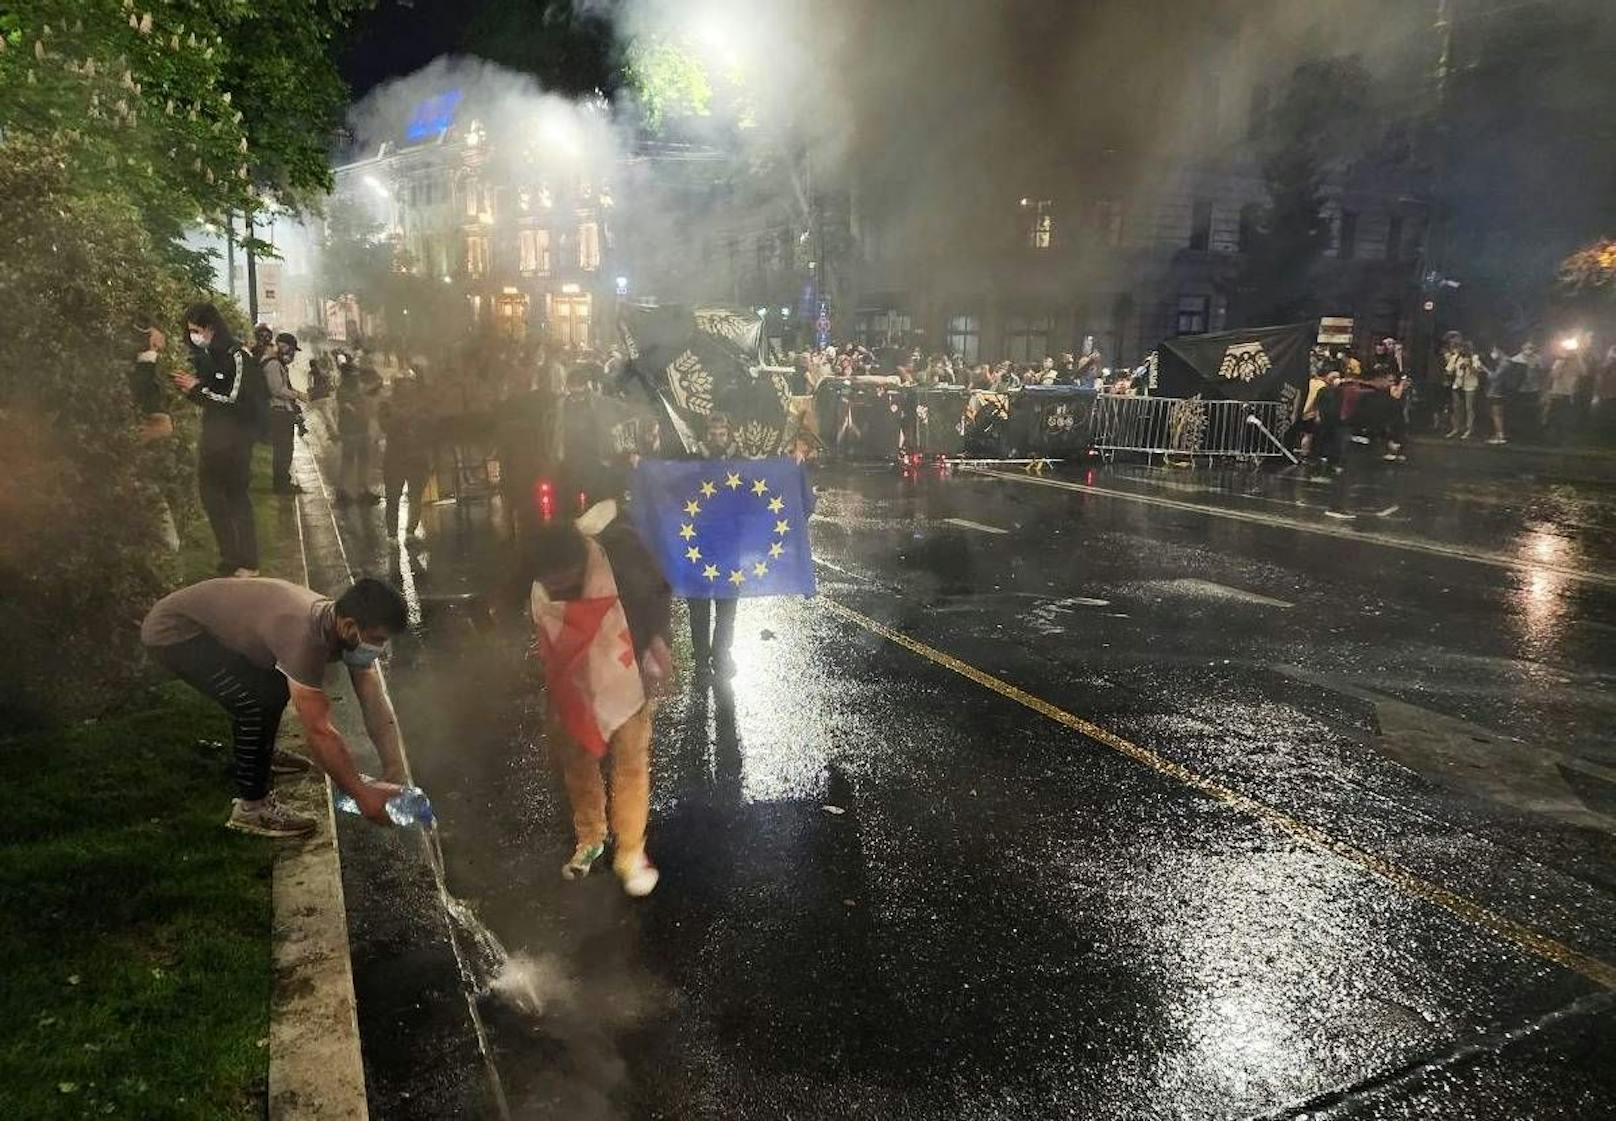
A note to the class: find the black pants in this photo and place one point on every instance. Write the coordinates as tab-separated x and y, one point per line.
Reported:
398	473
720	616
253	696
224	471
353	476
282	425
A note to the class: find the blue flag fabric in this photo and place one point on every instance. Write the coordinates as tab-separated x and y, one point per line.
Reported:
727	528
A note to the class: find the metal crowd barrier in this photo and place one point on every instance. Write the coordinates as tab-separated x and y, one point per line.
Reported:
1192	427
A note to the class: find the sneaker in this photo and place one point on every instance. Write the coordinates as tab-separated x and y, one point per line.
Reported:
269	819
638	874
1497	440
283	762
245	572
583	859
1450	435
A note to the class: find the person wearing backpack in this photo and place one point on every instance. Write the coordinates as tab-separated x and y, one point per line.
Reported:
229	386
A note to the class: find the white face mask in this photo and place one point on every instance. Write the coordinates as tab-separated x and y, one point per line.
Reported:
198	340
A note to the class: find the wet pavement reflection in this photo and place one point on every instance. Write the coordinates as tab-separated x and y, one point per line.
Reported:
891	892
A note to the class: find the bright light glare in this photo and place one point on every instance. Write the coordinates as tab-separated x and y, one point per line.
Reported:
376	185
1571	342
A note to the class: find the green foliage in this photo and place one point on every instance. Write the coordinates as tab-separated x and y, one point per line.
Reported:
1590	272
668	81
187	111
83	554
356	258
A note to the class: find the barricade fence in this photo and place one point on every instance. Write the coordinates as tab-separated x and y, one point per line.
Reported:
1190	427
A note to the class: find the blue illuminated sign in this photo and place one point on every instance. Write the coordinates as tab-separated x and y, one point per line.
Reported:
432	116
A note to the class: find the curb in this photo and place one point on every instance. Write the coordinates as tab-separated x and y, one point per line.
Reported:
315	1069
315	1066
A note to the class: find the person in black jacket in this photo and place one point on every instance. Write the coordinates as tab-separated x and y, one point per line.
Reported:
230	427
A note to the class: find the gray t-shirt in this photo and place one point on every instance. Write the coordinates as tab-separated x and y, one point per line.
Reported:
268	622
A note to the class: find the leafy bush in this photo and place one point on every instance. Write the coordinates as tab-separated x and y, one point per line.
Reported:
82	555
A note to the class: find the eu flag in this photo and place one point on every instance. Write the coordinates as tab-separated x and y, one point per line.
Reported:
727	528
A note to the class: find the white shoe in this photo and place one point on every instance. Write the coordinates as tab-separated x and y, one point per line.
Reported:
583	858
245	572
638	874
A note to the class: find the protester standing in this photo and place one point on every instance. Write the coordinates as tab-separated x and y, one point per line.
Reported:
712	622
355	413
249	646
1567	374
285	405
405	460
1604	396
1501	373
1465	381
227	384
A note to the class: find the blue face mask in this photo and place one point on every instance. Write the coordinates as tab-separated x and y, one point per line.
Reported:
364	655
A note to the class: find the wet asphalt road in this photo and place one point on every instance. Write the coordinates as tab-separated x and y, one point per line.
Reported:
1347	852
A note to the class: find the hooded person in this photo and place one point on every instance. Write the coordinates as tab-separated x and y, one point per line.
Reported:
601	608
228	385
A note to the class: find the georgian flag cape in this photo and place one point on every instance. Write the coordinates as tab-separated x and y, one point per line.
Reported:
590	670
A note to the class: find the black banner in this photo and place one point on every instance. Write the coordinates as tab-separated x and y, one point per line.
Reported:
701	361
1257	364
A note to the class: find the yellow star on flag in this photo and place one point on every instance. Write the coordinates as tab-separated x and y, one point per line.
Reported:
692	507
760	569
711	572
776	505
732	482
781	526
693	554
760	488
737	577
687	531
708	490
775	550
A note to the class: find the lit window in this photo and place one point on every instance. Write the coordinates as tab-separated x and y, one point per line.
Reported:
588	246
533	248
1041	224
476	256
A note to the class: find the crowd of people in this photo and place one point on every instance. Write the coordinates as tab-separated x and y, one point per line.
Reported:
1554	397
914	367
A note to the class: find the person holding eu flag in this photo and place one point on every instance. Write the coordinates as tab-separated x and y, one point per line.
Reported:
724	530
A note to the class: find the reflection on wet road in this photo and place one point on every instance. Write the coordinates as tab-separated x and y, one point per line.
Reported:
1364	833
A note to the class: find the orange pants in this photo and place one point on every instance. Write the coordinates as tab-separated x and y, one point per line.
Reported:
629	753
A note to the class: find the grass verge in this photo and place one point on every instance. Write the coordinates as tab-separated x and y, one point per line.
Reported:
134	928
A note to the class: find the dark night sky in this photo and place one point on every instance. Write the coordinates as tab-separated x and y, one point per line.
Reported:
396	38
566	52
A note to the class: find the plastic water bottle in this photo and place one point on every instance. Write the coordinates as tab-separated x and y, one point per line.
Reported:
409	806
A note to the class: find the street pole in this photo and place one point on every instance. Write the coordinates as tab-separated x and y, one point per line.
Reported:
230	251
252	272
1437	137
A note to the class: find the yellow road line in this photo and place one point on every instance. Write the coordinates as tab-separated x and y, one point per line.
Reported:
1518	934
1363	536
